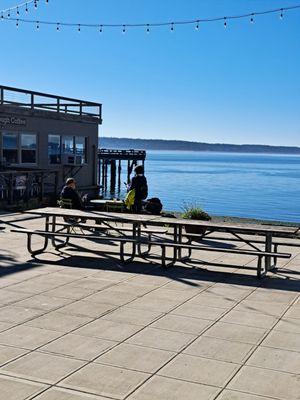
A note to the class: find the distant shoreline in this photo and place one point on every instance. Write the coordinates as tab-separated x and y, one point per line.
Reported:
181	145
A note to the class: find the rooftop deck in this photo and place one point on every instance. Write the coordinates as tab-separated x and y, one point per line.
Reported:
77	325
37	103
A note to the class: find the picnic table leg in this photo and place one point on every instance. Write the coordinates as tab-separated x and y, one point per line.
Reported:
46	240
268	248
60	245
135	236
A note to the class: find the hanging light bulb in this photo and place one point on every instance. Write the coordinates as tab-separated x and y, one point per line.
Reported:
172	27
101	29
124	29
26	9
197	25
35	4
17	23
281	14
252	18
148	28
225	22
79	28
2	16
47	1
8	14
37	25
57	27
18	12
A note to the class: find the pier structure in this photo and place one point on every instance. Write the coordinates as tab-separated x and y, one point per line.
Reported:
110	167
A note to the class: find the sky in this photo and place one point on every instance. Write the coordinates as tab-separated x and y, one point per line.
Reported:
235	85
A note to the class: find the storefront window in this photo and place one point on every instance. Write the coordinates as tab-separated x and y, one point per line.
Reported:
80	147
68	144
10	148
54	149
28	148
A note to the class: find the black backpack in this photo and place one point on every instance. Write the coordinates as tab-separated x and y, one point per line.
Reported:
153	206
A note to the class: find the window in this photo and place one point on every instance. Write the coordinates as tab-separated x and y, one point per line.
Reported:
80	147
68	144
10	148
54	149
28	148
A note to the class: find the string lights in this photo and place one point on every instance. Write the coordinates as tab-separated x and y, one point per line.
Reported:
17	8
6	15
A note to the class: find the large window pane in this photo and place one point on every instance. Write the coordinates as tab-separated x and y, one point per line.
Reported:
80	147
28	148
54	149
10	148
68	144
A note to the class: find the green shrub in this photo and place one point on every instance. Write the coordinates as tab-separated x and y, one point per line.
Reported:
195	212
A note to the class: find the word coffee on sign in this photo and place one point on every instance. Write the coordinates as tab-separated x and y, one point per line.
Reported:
5	121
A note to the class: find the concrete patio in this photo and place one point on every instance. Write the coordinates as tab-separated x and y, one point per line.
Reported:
79	325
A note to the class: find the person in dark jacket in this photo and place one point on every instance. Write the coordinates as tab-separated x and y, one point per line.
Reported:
139	184
69	192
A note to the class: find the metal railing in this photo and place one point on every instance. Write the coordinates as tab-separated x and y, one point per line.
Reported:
37	101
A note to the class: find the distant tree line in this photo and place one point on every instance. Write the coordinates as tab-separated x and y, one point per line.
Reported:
156	144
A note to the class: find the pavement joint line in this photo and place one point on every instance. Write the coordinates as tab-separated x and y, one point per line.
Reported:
259	343
240	391
204	289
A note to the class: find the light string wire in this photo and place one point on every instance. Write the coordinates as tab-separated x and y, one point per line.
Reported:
197	21
19	6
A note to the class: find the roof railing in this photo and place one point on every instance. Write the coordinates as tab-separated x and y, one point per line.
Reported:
10	96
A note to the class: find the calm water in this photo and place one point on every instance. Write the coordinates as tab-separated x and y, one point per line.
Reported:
242	185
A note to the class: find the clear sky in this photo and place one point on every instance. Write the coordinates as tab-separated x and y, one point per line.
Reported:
234	85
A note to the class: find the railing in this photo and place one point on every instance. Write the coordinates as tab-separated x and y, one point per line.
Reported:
37	101
122	154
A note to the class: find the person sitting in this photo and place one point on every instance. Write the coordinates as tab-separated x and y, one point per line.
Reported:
70	193
139	184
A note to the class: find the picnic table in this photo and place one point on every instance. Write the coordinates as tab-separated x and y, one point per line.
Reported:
139	230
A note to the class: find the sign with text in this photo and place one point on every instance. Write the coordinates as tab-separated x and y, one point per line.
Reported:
12	121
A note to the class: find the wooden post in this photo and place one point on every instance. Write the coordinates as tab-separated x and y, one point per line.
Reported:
113	171
128	171
119	176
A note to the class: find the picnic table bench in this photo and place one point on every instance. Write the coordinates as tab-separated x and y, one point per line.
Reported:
164	233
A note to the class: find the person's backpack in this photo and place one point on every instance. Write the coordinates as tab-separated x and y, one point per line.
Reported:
154	206
129	199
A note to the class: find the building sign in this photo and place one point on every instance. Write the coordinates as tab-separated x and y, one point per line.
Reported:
12	121
20	182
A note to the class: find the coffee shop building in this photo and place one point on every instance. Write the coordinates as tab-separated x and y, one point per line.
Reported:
44	139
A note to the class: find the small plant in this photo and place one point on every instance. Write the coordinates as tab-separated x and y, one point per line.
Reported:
195	212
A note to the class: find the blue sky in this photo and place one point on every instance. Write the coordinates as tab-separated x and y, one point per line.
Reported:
234	85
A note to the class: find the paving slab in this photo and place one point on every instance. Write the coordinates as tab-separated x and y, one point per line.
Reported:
154	304
81	348
70	292
291	325
86	309
283	340
162	388
238	333
134	316
199	370
265	382
57	321
45	368
17	315
161	339
10	353
199	311
277	359
179	323
234	395
27	337
258	320
9	296
110	296
43	302
66	394
105	380
110	330
211	300
136	358
267	308
17	389
219	349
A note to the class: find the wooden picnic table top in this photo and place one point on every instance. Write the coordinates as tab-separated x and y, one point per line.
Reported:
158	220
